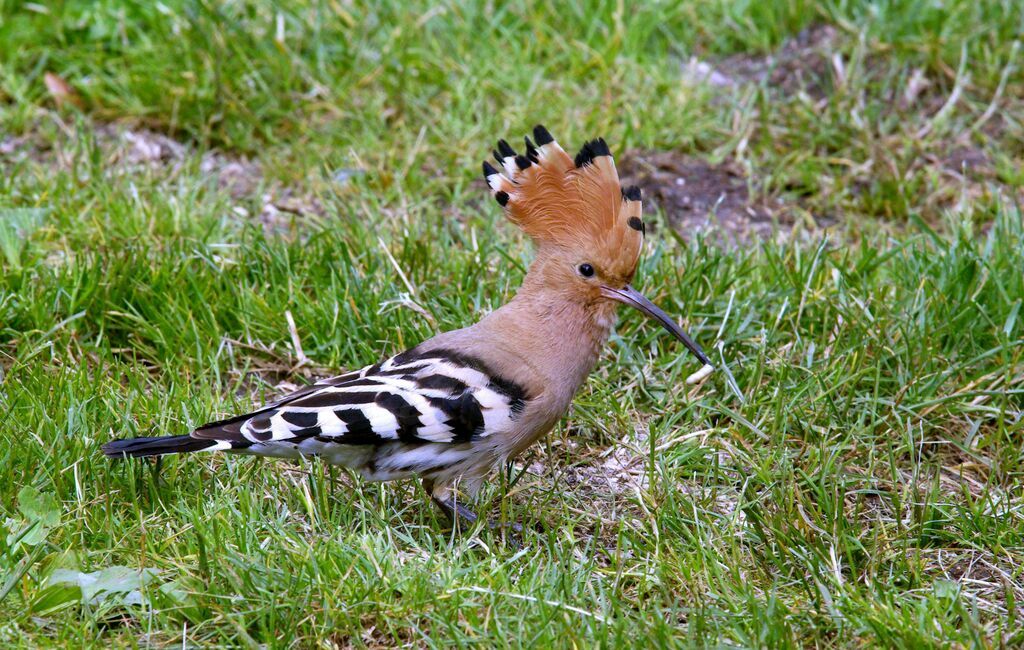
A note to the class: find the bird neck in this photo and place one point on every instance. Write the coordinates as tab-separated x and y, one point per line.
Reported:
557	334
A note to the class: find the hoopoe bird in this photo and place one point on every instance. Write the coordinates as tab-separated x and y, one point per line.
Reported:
456	405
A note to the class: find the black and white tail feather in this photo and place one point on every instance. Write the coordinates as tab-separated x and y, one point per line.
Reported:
411	414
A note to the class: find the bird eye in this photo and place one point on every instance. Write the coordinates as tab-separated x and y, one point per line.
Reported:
586	270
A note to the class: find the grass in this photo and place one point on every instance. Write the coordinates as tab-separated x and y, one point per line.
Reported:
865	490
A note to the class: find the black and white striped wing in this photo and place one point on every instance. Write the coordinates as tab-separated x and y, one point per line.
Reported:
440	396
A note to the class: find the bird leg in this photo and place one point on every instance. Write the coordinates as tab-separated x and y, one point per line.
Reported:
445	500
457	512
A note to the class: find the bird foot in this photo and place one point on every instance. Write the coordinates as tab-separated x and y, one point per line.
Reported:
455	511
497	524
459	514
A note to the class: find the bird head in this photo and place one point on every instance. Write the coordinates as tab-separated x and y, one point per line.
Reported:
588	229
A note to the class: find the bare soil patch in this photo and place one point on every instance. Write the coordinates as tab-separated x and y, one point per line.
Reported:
699	197
968	161
952	172
126	151
804	63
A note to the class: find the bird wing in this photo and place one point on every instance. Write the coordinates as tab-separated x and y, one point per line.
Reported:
431	396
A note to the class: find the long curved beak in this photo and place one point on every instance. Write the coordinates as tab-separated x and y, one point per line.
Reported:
635	299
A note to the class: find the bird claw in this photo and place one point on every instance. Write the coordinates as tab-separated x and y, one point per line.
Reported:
497	524
459	515
516	527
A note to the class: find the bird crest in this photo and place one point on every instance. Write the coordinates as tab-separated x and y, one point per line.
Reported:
576	203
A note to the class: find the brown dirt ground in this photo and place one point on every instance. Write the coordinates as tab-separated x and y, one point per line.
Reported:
700	197
129	150
802	64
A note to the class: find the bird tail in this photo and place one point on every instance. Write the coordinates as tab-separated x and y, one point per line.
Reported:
140	447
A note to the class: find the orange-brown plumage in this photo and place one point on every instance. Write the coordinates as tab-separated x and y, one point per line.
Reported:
581	209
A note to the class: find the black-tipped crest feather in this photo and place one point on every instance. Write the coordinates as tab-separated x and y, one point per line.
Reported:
542	136
531	150
591	150
505	149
